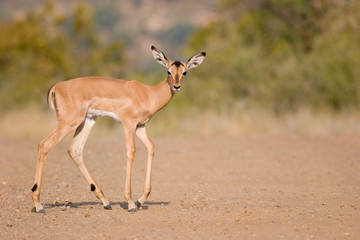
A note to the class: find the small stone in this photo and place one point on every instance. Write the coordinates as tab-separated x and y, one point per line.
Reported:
347	234
87	215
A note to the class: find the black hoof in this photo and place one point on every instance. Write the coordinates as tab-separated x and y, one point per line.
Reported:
108	207
34	210
138	204
132	210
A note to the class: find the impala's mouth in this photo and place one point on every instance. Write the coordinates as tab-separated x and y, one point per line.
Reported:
176	88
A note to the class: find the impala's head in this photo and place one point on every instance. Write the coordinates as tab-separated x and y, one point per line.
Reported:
177	70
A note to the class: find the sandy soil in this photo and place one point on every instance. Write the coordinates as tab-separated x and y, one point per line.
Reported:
257	187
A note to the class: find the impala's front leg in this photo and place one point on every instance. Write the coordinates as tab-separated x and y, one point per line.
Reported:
130	154
142	135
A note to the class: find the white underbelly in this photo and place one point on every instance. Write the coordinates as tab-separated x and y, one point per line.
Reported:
100	113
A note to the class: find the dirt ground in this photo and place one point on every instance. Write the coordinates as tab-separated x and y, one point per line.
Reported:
246	187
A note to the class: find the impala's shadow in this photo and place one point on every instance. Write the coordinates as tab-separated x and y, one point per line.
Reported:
123	205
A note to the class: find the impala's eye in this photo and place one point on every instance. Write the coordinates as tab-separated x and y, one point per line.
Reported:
169	73
184	74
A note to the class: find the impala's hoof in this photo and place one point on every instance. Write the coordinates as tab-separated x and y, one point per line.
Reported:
108	207
132	210
138	204
40	211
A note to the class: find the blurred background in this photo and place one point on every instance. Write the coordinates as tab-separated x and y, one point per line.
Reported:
272	66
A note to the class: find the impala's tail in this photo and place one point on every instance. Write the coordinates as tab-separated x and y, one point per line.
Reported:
51	98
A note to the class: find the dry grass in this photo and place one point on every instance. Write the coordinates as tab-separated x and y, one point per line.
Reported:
27	123
260	122
36	123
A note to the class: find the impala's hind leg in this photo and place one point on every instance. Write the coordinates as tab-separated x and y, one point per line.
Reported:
44	147
76	154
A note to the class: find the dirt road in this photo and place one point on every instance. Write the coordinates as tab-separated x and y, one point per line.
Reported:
257	187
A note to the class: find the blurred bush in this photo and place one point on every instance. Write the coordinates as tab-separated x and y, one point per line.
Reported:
43	47
273	54
280	55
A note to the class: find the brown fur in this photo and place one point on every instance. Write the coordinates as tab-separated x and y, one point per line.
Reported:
79	101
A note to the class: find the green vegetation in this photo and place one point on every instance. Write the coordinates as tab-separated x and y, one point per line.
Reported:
270	54
44	47
280	54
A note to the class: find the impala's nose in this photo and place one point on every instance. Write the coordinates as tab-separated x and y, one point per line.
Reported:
177	88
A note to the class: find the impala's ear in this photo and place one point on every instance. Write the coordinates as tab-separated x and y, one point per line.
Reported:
160	57
195	60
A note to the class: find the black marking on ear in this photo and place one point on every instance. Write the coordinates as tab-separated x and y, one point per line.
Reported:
92	187
34	187
152	47
203	53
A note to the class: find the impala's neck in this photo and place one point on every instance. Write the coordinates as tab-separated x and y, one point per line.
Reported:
162	94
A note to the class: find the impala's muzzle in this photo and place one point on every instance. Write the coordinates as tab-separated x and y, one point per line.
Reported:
177	88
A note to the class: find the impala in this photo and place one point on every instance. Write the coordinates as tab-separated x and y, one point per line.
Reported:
78	102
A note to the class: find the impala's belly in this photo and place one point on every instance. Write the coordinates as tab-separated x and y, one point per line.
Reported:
100	113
